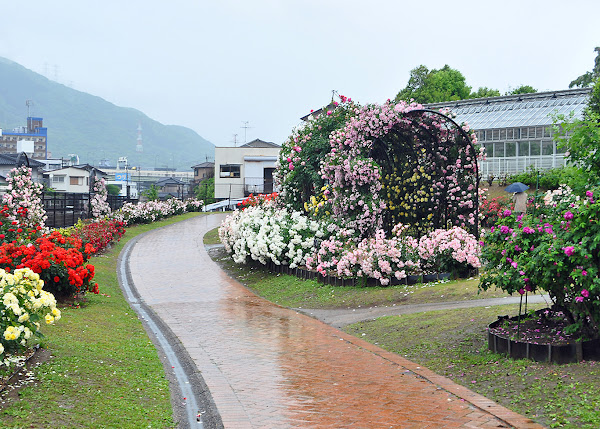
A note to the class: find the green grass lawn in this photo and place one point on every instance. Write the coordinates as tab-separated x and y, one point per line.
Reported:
104	370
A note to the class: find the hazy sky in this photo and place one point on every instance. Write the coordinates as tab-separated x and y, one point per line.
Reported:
212	65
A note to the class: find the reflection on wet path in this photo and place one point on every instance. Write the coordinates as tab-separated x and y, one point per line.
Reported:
270	367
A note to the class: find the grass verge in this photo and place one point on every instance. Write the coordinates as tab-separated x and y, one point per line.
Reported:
104	370
292	292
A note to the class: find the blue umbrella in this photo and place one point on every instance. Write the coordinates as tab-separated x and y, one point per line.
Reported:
516	187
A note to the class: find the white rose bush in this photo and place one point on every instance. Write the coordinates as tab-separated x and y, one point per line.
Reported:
265	233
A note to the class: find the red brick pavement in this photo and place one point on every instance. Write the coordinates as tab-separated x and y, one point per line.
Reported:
270	367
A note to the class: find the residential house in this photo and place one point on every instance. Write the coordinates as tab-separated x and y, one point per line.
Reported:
244	170
170	187
75	179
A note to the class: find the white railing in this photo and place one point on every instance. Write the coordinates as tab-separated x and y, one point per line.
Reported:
518	164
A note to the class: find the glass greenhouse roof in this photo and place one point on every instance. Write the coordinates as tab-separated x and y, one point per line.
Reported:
522	110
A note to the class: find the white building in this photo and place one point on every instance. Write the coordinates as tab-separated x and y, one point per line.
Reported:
71	179
244	170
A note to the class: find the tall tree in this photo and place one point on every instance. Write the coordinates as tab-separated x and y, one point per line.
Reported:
432	86
588	78
523	89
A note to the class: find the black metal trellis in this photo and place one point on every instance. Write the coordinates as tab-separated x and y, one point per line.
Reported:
426	145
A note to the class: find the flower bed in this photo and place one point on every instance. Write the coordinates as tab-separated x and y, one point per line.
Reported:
25	304
153	211
100	233
267	234
540	337
557	252
61	262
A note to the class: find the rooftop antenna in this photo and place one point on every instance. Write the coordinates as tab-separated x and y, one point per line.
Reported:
234	141
245	127
29	104
333	94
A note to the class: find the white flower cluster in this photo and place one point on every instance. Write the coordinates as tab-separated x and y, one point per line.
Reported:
265	233
153	211
24	303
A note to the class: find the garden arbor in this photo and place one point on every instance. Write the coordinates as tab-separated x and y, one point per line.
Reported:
429	173
399	163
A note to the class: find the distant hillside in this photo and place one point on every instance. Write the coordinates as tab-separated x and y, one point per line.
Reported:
91	127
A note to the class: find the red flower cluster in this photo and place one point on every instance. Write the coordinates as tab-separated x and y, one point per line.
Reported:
57	259
12	230
257	200
100	233
491	209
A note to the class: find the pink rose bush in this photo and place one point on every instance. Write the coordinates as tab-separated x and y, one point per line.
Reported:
23	193
557	252
100	207
298	171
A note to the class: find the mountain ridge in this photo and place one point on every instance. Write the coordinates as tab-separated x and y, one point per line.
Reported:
92	127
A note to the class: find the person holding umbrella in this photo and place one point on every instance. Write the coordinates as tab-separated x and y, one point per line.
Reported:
519	197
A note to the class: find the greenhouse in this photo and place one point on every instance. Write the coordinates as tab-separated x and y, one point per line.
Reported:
516	130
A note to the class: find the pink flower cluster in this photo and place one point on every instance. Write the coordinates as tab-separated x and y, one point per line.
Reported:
23	193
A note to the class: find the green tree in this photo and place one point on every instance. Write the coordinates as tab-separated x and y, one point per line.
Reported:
589	77
581	137
152	193
523	89
113	189
433	86
205	190
485	92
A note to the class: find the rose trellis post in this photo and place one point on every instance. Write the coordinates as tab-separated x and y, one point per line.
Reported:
24	193
98	199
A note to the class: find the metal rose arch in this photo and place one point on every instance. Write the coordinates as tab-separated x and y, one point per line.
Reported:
429	173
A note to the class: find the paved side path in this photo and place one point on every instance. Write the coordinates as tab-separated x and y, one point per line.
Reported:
271	367
339	318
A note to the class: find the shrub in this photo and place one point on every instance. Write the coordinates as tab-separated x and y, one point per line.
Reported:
99	233
60	262
557	252
24	306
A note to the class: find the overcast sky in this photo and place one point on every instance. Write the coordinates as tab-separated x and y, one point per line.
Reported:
213	65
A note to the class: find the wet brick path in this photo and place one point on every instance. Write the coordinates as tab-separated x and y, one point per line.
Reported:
270	367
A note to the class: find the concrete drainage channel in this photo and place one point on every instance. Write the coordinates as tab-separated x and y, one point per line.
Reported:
192	405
